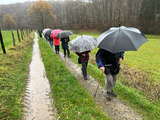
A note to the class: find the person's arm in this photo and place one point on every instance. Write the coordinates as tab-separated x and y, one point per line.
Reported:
100	64
77	53
121	56
67	39
99	60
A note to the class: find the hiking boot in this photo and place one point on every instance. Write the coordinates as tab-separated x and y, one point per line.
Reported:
108	95
69	56
64	55
113	94
85	78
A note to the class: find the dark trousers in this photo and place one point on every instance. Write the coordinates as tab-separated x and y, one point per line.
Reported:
57	49
67	52
40	35
84	68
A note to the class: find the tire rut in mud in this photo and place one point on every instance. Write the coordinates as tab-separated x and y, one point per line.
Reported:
37	99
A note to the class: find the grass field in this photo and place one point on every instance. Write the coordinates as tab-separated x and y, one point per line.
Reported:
137	85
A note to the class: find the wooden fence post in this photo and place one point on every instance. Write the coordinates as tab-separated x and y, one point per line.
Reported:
2	44
27	32
13	39
22	33
18	36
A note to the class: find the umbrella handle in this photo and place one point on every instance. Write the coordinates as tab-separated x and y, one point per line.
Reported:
98	84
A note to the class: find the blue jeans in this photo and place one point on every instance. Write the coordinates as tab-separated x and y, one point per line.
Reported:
51	43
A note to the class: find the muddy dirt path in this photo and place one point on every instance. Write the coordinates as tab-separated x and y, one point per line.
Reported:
38	103
115	109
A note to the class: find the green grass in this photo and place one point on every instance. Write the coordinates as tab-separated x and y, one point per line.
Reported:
8	40
70	98
13	75
147	58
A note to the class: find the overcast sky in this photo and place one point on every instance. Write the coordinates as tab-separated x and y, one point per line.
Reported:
5	2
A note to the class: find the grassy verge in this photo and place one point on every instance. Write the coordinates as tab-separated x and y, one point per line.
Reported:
70	98
13	75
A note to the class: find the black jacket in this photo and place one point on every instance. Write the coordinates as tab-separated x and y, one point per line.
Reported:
109	60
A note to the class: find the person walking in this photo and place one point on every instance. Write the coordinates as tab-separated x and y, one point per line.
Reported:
65	47
109	63
84	57
40	33
56	43
50	40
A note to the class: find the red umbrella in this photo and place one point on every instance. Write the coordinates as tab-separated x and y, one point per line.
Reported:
55	32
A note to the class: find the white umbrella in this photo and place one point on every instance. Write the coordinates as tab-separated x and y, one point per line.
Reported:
82	43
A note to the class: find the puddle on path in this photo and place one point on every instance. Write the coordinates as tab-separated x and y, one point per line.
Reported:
38	102
115	109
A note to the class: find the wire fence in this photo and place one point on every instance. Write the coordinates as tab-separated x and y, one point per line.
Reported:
21	34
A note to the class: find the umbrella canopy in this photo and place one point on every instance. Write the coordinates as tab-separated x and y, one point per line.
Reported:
82	43
64	34
55	32
48	32
45	30
118	39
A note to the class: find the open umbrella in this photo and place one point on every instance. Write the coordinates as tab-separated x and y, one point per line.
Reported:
118	39
55	32
45	30
82	43
48	32
64	34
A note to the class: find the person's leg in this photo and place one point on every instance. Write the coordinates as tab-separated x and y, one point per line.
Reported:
50	42
64	52
68	53
84	70
109	85
114	82
58	49
109	82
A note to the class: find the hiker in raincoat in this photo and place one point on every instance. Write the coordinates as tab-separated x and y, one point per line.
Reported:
40	33
65	45
56	43
109	63
84	57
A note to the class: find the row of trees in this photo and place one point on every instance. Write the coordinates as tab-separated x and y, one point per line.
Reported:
86	14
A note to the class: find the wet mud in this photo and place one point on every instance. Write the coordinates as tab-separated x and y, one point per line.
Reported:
37	100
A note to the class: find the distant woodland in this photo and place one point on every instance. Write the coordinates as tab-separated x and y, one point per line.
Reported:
82	14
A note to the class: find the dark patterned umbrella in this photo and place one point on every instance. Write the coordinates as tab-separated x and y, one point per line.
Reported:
82	43
64	34
48	32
